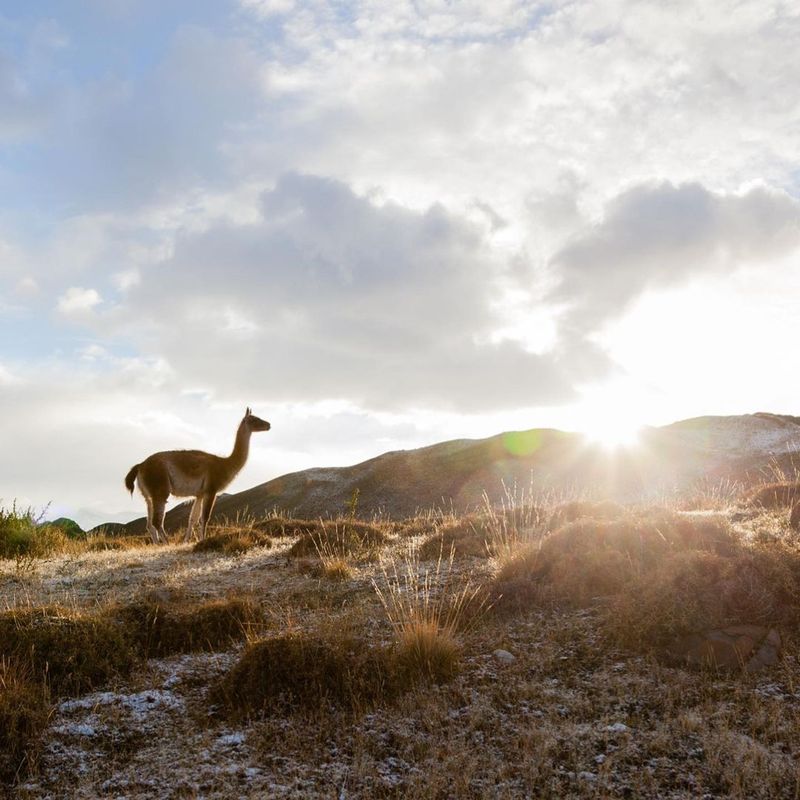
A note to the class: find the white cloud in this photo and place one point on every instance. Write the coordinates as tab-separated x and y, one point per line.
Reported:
8	378
127	279
78	301
658	235
330	295
264	9
456	172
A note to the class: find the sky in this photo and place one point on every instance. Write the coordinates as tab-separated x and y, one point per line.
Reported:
384	224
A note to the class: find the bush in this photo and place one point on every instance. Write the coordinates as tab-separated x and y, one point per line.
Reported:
159	628
21	535
426	651
467	536
780	494
24	711
584	509
591	557
72	651
232	542
300	671
339	538
279	527
695	591
67	526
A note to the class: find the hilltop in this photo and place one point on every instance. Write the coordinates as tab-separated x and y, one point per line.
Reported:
456	474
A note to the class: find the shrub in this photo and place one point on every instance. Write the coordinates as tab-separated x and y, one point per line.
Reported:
24	711
232	542
467	536
695	591
300	671
780	494
335	569
21	535
427	609
339	537
73	651
591	557
158	628
282	527
425	651
67	526
584	509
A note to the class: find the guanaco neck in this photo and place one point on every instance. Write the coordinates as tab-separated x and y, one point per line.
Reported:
241	448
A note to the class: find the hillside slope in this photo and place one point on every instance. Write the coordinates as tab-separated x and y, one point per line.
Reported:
457	473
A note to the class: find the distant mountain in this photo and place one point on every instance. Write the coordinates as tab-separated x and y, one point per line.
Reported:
457	473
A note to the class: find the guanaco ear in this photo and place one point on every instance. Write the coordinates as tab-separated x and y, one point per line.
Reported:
248	412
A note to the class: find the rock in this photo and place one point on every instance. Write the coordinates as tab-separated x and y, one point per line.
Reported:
747	647
504	656
617	727
587	776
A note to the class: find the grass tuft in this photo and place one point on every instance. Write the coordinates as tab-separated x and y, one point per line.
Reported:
695	591
159	627
427	609
591	557
21	535
780	494
341	538
465	537
232	542
72	651
299	671
24	712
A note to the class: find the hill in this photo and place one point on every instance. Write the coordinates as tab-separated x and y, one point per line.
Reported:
456	474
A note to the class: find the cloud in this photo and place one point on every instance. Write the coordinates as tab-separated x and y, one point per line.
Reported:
330	295
659	235
8	378
23	110
78	301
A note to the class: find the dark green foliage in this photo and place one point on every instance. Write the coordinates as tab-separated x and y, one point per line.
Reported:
67	526
21	535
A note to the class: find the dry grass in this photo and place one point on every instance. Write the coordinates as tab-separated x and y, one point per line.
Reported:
468	536
343	537
24	711
300	671
584	509
161	626
398	691
21	535
427	609
280	527
660	574
698	591
780	494
232	541
70	650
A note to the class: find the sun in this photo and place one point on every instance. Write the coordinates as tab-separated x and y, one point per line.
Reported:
609	419
614	433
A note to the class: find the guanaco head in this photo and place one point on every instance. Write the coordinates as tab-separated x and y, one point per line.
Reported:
255	423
